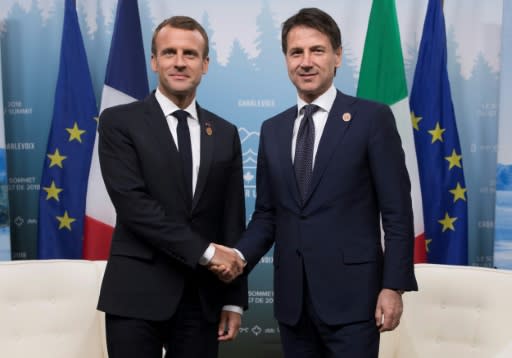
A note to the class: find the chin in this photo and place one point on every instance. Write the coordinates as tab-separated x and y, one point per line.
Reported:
309	91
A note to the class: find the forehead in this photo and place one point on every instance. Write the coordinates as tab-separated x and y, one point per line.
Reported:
303	36
179	38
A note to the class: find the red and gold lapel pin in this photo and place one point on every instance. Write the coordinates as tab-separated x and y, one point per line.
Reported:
346	117
208	128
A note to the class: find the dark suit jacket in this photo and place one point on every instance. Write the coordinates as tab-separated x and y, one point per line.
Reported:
158	239
334	238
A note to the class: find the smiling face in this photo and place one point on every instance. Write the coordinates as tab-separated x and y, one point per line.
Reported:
180	63
311	61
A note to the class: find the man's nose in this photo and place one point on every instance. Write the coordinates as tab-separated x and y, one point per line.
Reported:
179	60
306	60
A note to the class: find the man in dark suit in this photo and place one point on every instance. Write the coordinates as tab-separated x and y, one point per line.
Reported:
328	170
174	173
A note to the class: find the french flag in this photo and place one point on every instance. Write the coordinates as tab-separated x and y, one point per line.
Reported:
125	81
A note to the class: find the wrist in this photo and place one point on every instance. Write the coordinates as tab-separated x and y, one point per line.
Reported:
207	255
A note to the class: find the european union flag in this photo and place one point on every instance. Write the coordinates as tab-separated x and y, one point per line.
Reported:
69	149
437	147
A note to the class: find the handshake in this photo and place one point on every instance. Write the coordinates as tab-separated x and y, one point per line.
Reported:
226	263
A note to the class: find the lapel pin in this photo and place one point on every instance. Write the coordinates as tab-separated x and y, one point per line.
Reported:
208	128
346	117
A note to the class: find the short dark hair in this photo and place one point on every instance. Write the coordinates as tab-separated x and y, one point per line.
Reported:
183	23
313	18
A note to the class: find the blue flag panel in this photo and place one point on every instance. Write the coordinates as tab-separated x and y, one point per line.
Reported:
127	39
438	147
69	149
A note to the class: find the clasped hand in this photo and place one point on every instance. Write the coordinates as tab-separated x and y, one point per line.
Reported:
226	263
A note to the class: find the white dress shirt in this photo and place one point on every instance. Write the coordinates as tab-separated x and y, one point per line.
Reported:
168	107
325	102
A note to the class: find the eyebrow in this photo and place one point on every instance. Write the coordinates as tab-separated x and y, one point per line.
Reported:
187	51
168	50
293	49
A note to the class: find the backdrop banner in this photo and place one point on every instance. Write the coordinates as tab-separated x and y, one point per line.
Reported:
503	230
5	232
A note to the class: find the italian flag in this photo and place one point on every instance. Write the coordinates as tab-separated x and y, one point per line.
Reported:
125	81
382	79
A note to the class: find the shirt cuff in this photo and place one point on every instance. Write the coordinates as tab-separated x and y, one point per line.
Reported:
232	308
240	254
207	255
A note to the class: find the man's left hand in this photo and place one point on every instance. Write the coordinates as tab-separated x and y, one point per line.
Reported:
229	325
389	310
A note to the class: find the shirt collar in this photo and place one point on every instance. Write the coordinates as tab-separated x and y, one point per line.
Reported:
168	106
325	101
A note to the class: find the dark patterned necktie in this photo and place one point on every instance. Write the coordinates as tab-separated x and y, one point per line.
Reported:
185	149
303	162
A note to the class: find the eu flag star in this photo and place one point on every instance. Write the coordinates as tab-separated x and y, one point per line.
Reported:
427	244
65	221
437	133
52	192
415	121
75	133
447	222
56	158
454	160
458	193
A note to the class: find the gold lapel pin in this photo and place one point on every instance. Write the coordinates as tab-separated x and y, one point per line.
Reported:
209	130
346	117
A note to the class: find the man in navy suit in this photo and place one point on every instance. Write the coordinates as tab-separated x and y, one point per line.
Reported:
174	173
328	170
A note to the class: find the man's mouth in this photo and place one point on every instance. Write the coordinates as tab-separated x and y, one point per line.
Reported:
307	76
178	76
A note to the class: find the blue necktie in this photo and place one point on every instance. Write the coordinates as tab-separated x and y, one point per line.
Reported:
303	162
185	149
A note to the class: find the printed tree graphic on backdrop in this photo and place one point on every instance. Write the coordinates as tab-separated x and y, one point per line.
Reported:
242	72
480	110
98	42
213	79
271	76
271	58
410	59
483	77
345	75
457	82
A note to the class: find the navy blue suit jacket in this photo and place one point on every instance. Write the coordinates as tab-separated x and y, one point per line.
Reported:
334	238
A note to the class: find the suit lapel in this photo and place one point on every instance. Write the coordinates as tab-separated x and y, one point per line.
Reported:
156	120
335	129
284	142
207	133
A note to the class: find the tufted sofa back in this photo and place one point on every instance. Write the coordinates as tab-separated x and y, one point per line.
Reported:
48	309
459	312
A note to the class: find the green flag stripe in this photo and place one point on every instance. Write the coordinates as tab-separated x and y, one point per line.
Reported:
382	75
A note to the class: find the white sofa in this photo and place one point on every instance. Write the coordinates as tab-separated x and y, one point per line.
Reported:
459	312
48	310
